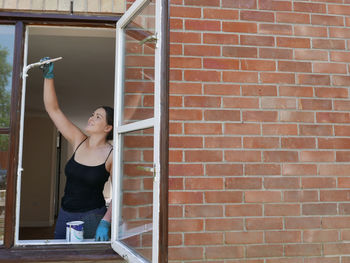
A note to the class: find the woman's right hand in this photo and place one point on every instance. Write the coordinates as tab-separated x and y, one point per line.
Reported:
47	68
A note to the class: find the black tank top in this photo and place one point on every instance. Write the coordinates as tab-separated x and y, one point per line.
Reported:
84	186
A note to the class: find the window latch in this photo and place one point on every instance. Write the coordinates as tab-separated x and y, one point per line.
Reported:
151	38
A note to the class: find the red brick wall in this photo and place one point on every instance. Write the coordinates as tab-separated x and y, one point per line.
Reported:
259	156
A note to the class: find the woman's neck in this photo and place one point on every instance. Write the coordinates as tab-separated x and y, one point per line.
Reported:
95	141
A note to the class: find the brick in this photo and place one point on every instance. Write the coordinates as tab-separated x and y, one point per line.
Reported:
328	43
185	142
203	156
345	235
319	236
239	27
242	156
218	252
337	195
334	143
262	196
202	101
339	32
239	76
309	7
278	103
202	75
185	88
221	89
139	198
280	156
185	198
241	4
222	115
181	62
202	25
301	196
257	16
202	2
336	68
213	13
316	130
327	20
335	222
322	260
259	90
185	253
303	250
275	29
293	42
241	52
241	103
298	143
281	209
338	9
319	209
176	184
262	169
336	249
342	156
219	63
241	128
339	56
264	251
260	116
260	65
204	183
175	128
175	239
293	18
283	237
334	169
257	40
315	104
293	66
223	224
203	239
281	183
343	182
260	142
279	129
279	78
243	237
243	183
344	209
309	54
186	170
224	169
276	53
302	222
341	81
296	91
317	156
223	197
276	5
264	223
217	38
311	31
222	142
201	50
243	210
181	114
176	24
299	169
310	79
319	182
343	105
341	130
203	211
186	12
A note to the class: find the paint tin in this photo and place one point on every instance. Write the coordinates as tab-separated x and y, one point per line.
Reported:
75	231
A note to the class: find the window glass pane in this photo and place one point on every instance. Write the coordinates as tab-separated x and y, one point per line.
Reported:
137	191
139	67
4	146
7	37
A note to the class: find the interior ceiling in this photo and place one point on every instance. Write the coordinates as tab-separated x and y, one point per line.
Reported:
84	78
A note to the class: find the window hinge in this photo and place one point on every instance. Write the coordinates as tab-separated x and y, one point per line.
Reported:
151	38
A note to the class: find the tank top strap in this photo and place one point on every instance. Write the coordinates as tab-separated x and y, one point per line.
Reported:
109	154
80	144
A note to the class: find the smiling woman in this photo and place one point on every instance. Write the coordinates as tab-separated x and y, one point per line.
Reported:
7	34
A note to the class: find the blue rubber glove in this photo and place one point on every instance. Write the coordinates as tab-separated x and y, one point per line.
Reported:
47	69
102	231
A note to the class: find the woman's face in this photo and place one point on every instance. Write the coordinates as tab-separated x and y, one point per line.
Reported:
97	122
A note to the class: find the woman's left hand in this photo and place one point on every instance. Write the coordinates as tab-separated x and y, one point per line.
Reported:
103	230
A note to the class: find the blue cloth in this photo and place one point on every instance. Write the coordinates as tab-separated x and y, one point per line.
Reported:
91	220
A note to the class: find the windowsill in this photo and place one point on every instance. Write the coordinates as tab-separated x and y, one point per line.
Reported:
60	253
